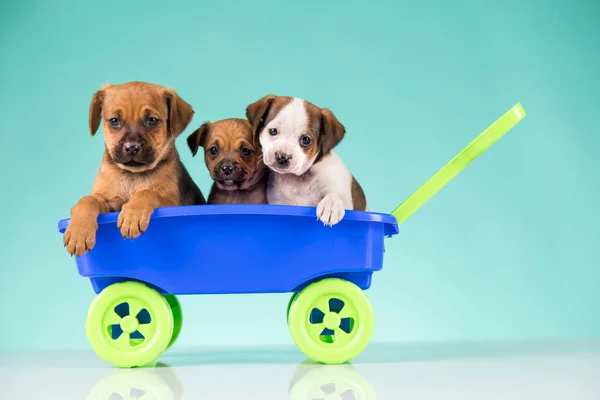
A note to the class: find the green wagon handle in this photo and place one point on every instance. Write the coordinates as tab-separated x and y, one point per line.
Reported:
487	138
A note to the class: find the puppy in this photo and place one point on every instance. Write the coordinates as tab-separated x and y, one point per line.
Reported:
140	169
297	140
234	162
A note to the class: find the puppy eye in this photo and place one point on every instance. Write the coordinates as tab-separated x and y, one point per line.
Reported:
152	121
114	122
305	140
273	131
246	152
213	150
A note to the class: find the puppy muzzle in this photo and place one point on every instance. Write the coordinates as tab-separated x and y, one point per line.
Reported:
284	162
229	175
133	152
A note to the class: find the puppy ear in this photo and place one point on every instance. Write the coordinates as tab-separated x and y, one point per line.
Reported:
198	138
96	108
256	111
332	131
96	111
180	113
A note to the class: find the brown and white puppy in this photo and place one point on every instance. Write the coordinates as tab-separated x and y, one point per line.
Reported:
140	169
234	162
297	140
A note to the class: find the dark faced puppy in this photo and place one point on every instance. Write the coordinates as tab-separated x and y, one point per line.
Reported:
140	169
234	162
298	140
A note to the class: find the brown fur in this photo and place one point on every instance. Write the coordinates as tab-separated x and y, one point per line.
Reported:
157	179
326	131
229	139
359	200
262	111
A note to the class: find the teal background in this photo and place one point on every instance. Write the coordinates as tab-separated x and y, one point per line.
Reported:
509	250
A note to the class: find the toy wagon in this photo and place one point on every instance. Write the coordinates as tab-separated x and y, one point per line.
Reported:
189	250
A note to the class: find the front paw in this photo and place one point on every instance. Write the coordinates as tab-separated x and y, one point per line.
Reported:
133	220
330	210
80	237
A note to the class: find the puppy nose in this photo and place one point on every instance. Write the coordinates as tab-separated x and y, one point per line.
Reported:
283	159
132	148
227	169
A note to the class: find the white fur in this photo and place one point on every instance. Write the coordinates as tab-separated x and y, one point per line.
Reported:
325	185
291	123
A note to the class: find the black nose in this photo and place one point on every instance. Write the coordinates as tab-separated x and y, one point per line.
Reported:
283	159
227	169
132	148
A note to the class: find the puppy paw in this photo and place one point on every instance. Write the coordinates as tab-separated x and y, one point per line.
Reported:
330	210
133	220
80	237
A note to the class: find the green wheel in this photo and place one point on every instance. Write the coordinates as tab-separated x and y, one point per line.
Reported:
177	316
331	321
129	324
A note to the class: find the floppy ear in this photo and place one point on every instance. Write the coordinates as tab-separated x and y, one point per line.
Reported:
256	111
180	113
198	138
332	131
96	111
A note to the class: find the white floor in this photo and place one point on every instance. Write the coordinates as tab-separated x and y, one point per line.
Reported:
566	371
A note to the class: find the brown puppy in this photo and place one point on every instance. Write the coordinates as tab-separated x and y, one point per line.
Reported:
234	162
140	168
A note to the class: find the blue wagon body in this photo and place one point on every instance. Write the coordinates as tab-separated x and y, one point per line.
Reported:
222	249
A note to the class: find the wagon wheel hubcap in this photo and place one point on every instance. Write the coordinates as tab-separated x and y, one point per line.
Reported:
129	324
332	321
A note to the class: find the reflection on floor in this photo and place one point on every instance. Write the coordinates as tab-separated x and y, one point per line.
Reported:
410	371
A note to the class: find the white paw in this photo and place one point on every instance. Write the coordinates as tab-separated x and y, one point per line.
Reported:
330	210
